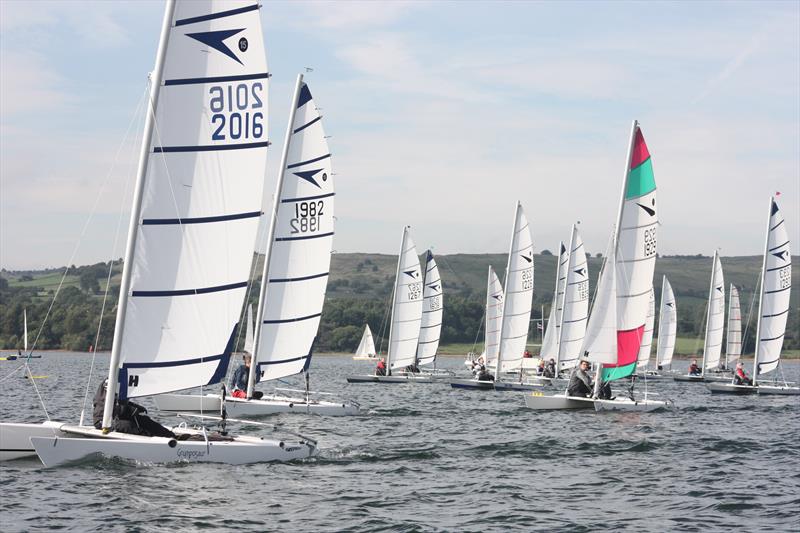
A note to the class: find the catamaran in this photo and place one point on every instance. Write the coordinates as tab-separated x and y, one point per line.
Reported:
406	319
191	235
493	312
715	322
294	279
773	310
366	347
619	314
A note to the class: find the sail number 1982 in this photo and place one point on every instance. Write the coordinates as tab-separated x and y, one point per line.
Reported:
307	216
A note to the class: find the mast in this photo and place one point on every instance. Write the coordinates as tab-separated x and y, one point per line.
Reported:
505	288
394	301
708	311
136	209
555	303
761	292
262	297
564	298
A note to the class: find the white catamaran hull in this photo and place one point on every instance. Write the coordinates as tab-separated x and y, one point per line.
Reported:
472	384
626	404
55	451
397	378
783	390
239	407
730	388
558	401
15	439
689	377
517	386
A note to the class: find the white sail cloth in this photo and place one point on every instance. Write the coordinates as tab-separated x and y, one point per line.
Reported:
494	318
406	306
575	307
667	325
776	285
197	226
600	342
647	334
366	348
249	337
715	321
552	333
733	345
300	255
518	296
432	311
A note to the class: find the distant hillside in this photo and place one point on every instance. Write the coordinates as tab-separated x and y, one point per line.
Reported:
359	291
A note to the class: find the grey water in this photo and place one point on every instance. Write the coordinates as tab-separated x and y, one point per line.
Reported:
431	458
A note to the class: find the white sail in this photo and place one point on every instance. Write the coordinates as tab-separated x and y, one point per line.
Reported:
733	345
432	311
366	348
600	342
776	284
576	304
406	306
298	262
197	202
715	321
647	334
518	296
667	325
494	317
248	337
552	333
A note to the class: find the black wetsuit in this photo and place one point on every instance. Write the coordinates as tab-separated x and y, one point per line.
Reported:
129	417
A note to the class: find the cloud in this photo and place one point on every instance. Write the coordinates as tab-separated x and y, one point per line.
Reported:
28	84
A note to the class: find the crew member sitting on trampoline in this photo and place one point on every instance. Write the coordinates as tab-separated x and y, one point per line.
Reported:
580	383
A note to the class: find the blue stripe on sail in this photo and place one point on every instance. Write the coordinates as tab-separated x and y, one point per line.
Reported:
209	147
779	246
305	237
198	220
219	372
778	290
189	292
302	278
307	198
298	319
304	126
301	163
281	361
218	79
219	15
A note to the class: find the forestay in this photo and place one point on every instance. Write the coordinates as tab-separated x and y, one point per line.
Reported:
432	310
647	335
776	284
366	348
667	325
576	304
552	333
518	296
494	317
636	231
406	306
733	346
193	234
298	261
715	318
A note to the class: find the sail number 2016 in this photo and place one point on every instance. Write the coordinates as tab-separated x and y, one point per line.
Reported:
306	216
234	116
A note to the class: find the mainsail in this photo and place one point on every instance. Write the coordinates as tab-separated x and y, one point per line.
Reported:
647	336
552	333
733	346
715	318
298	255
494	316
432	310
518	296
667	325
776	284
366	348
197	202
575	308
636	231
406	306
600	342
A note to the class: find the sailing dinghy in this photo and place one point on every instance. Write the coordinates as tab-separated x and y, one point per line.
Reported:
773	310
194	219
294	280
404	328
616	325
366	348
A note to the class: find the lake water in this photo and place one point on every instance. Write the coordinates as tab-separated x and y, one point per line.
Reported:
431	458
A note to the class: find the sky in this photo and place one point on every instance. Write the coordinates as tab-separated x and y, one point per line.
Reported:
441	115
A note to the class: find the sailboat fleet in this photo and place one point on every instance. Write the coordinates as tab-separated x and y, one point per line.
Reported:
193	229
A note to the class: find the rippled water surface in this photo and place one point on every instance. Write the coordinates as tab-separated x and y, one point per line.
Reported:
430	458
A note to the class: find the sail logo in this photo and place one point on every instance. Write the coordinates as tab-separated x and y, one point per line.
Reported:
580	271
413	273
434	287
309	176
650	211
528	259
781	255
215	39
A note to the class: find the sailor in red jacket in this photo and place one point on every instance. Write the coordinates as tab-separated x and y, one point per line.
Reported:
380	370
740	377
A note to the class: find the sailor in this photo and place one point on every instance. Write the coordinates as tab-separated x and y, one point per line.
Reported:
128	417
484	375
540	368
694	370
550	369
380	369
238	383
580	383
740	377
